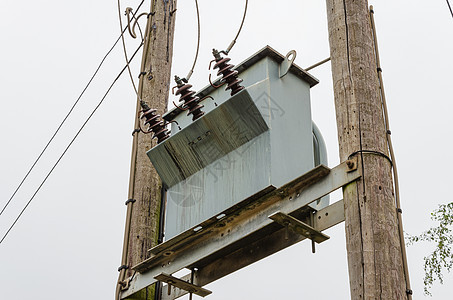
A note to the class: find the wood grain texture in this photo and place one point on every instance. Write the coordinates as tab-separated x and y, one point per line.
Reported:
373	246
154	90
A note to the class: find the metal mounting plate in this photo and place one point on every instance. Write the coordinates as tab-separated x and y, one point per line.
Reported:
184	285
299	227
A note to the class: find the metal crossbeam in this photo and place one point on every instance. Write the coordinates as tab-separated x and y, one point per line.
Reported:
238	228
299	227
257	250
183	285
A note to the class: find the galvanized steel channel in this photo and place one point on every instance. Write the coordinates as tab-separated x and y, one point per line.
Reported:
248	220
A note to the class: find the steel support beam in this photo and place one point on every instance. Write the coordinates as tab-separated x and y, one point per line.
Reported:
293	224
182	285
241	229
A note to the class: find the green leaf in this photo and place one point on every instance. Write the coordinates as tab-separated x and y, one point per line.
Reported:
441	258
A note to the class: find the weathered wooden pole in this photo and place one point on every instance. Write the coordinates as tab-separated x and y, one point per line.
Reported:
145	186
375	259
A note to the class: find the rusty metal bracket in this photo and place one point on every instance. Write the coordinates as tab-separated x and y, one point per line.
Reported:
183	285
352	164
299	227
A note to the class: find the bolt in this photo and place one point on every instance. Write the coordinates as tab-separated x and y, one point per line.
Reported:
178	81
350	164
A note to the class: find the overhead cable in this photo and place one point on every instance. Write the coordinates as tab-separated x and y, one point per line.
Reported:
124	43
392	157
125	252
239	31
451	11
69	145
130	28
198	42
317	64
64	120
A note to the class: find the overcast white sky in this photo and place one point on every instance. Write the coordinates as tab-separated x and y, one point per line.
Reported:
67	245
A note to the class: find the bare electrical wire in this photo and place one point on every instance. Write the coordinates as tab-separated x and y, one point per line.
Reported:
69	145
239	31
64	119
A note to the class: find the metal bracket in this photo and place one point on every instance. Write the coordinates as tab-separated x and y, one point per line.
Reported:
286	64
183	285
217	245
299	227
259	249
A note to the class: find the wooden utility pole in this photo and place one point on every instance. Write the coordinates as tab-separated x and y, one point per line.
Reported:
375	260
145	186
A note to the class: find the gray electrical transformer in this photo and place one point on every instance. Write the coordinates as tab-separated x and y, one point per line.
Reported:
259	138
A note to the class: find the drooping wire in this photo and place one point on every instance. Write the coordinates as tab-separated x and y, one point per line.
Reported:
127	231
130	28
64	119
392	156
69	145
451	11
138	24
239	31
198	43
124	46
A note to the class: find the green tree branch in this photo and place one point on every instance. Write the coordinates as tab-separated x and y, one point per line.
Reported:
441	258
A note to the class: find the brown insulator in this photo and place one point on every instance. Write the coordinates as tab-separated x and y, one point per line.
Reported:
155	123
189	102
230	76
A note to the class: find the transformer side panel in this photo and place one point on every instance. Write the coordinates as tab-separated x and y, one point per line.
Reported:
291	126
222	184
277	156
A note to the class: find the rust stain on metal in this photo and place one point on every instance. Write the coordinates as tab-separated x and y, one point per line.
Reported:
352	164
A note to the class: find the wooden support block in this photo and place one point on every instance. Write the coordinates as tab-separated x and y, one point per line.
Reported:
299	227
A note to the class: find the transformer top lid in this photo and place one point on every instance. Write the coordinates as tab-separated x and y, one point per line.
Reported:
267	51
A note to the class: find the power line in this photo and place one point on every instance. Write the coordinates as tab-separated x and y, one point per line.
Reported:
198	42
391	152
65	118
239	31
127	232
124	44
72	141
451	11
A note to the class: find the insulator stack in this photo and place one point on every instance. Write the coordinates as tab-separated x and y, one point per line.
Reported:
188	100
155	123
230	76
